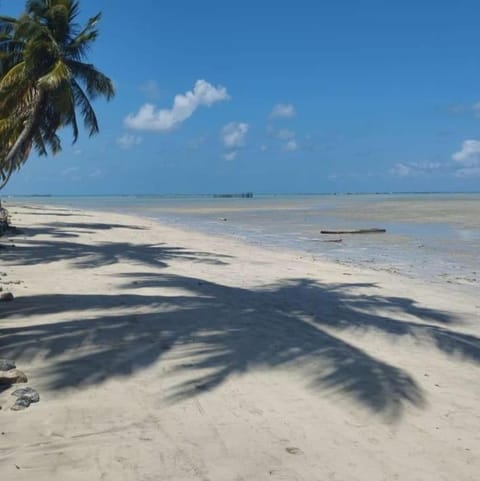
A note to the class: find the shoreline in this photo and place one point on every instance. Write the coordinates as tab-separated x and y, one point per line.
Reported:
161	350
451	278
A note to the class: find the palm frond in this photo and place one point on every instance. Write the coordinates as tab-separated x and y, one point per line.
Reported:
88	114
96	83
14	76
44	84
60	73
80	44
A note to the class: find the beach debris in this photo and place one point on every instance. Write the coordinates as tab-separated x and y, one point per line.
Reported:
12	376
293	450
7	365
355	231
6	297
223	219
27	393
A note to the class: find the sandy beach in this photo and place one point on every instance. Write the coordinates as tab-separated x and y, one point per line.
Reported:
162	354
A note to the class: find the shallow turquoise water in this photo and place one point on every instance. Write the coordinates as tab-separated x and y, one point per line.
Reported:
432	236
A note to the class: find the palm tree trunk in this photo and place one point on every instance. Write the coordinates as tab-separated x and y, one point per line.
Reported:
25	136
7	177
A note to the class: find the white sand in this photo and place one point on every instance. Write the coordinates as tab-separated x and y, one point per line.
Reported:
161	354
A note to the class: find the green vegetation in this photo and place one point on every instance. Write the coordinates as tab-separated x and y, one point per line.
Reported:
44	80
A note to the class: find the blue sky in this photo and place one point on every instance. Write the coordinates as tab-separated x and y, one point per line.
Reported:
304	96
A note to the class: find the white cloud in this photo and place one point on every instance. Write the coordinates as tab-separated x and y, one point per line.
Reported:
184	105
282	111
127	141
233	134
291	146
468	159
150	89
469	154
231	155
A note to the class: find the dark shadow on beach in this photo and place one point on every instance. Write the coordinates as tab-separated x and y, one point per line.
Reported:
81	255
65	230
226	330
55	214
231	330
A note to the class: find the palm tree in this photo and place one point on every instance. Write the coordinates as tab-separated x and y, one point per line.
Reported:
44	80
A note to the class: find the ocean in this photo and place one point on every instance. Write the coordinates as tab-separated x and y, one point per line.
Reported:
435	237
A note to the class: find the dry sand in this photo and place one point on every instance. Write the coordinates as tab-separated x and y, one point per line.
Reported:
161	354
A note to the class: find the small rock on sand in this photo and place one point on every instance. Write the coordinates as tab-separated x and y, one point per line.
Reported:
6	297
12	376
6	365
20	404
27	393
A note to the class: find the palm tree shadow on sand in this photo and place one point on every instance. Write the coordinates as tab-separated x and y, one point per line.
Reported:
227	331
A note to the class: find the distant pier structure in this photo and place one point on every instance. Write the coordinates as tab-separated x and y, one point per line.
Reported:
242	195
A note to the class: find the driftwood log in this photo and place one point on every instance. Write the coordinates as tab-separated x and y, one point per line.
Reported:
354	231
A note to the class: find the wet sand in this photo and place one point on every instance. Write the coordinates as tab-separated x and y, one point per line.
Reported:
161	353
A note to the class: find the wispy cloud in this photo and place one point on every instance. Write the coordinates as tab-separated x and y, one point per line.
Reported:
231	155
457	109
400	170
285	134
290	146
195	144
233	134
184	105
282	111
415	168
150	89
71	173
95	174
287	137
127	141
476	109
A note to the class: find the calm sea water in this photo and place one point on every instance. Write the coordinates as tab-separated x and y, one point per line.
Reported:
431	236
